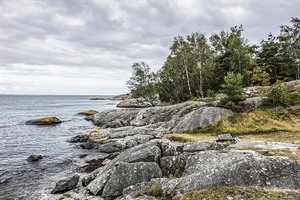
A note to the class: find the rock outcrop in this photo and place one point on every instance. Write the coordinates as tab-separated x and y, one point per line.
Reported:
174	118
134	103
141	162
293	85
44	121
150	152
212	169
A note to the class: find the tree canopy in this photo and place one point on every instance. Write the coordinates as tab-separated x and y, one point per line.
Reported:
197	65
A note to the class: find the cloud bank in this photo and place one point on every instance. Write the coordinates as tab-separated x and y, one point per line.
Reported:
88	46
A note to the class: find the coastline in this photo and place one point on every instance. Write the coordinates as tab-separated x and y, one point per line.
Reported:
124	134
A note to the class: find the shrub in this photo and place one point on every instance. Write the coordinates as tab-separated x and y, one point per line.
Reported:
295	97
278	96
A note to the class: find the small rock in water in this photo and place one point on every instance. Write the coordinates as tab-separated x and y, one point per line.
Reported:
66	184
88	112
44	121
34	158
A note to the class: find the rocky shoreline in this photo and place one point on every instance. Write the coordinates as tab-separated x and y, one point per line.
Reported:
140	162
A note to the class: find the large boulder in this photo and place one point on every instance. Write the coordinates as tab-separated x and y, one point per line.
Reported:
165	117
238	169
151	151
213	169
134	173
112	181
253	102
66	184
203	116
293	85
44	121
134	103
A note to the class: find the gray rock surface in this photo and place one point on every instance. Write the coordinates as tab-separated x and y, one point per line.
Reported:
174	118
127	174
238	169
197	146
211	169
148	152
66	184
201	117
293	85
253	102
134	103
114	118
265	145
173	166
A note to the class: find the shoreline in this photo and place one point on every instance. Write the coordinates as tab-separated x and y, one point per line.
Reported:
125	129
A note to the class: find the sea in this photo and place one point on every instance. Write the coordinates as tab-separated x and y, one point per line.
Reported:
20	179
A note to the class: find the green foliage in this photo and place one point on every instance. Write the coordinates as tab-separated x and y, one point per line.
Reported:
278	113
197	65
233	88
142	82
278	96
260	76
289	39
294	97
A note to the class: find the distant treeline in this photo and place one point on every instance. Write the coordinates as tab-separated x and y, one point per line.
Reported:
197	64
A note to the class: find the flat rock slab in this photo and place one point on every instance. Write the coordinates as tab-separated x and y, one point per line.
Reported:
225	138
264	145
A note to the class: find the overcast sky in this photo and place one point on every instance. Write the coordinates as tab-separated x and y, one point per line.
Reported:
88	46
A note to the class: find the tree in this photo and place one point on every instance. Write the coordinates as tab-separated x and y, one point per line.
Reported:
233	88
202	54
141	82
270	58
180	50
290	47
232	52
260	76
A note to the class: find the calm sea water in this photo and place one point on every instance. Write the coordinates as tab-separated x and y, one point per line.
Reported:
22	180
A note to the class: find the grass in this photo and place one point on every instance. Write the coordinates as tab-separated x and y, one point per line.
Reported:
257	122
238	193
189	137
276	125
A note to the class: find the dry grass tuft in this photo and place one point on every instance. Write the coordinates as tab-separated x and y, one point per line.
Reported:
238	193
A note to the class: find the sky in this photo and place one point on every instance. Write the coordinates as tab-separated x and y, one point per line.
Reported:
87	47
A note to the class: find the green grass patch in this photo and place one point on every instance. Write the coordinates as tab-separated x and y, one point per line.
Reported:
257	122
